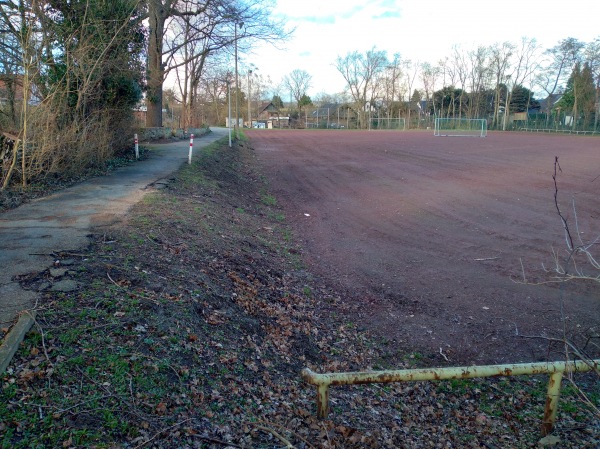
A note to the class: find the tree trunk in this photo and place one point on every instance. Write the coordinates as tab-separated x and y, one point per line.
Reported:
527	110
506	109
157	15
12	165
597	105
497	105
575	111
185	96
192	103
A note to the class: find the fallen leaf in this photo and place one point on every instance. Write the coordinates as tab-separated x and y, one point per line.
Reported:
161	408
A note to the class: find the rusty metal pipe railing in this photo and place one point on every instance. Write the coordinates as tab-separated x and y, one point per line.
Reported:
555	369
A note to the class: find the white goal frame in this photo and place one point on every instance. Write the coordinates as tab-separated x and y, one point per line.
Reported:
460	127
391	123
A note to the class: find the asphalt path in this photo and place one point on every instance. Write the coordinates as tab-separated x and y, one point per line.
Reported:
62	222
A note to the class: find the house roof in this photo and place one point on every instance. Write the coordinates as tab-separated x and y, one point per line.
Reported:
549	102
267	106
331	107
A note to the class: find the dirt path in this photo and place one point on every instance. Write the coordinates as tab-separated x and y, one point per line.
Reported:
62	221
424	234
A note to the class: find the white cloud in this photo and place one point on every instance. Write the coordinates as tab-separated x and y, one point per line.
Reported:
423	31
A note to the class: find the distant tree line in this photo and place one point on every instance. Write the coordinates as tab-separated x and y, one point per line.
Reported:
489	82
493	82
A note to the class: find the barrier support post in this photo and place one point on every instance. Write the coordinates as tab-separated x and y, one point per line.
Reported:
551	403
322	401
191	145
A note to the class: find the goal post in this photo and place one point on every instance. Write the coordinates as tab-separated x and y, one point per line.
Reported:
469	127
397	123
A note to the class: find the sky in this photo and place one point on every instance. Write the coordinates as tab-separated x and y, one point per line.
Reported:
422	31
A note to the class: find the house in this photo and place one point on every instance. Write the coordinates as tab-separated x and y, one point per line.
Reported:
267	111
269	116
11	86
329	115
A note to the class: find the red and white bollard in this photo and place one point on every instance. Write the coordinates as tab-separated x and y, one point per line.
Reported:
137	148
191	145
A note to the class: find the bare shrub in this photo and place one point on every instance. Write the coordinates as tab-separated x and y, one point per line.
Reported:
79	75
576	262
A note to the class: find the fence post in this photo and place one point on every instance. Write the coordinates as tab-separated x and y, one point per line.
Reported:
191	145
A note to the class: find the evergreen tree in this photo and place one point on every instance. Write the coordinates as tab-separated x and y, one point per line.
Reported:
277	102
579	96
447	101
97	46
522	99
304	101
567	101
587	93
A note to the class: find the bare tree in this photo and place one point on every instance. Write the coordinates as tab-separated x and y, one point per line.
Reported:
478	80
260	88
429	76
411	69
578	262
525	60
209	25
500	60
391	86
10	62
462	71
212	92
449	73
297	83
362	75
190	41
558	65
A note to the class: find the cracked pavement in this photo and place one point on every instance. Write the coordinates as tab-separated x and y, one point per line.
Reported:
62	221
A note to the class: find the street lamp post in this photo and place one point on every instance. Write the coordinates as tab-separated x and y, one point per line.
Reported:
229	108
237	80
249	96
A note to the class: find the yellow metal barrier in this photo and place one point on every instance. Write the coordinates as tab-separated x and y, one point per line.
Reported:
555	369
